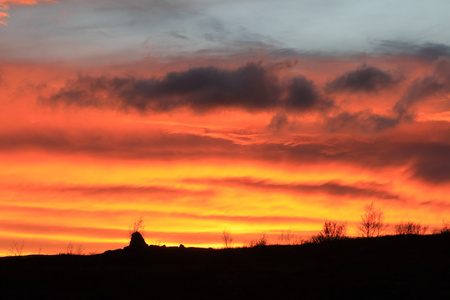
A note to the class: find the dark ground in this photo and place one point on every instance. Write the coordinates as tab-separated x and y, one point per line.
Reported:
391	267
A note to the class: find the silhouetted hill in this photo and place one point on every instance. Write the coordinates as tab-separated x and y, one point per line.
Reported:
392	267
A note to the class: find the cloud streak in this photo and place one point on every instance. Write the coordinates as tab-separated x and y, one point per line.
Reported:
425	51
335	189
424	155
117	190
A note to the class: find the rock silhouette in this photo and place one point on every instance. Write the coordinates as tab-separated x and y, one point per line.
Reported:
137	243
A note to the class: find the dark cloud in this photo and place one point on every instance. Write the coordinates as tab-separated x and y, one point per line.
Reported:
433	51
427	160
423	157
423	88
419	90
431	161
364	121
365	79
427	51
303	95
371	79
250	87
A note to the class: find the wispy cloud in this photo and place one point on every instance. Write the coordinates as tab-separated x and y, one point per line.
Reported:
427	51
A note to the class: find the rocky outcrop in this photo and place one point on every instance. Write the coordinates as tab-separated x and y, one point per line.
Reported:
137	243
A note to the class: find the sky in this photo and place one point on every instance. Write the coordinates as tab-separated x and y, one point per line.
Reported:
254	117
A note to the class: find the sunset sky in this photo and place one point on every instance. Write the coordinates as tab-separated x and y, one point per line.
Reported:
254	116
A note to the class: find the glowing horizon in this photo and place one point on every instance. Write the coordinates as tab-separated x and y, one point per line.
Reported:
204	126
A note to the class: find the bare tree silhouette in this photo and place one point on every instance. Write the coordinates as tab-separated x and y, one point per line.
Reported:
74	248
16	248
226	238
372	222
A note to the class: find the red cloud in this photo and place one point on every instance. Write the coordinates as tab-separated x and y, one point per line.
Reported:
3	17
5	4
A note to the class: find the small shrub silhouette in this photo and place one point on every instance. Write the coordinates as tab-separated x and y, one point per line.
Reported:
410	228
331	231
287	238
445	228
74	249
262	241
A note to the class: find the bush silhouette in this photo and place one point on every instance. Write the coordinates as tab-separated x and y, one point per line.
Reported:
262	241
410	228
445	228
74	249
287	238
331	231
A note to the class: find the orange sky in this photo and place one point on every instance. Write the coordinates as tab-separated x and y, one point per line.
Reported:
197	144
